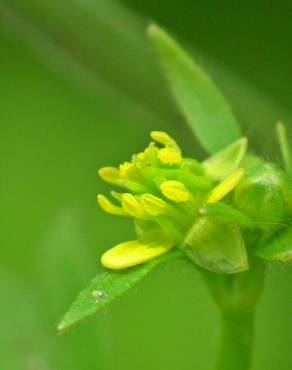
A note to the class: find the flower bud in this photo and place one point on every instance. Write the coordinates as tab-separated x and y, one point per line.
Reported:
260	195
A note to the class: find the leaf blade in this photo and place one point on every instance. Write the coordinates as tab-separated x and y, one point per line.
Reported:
203	105
108	286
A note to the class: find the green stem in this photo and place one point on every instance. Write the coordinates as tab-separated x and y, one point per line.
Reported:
237	296
237	340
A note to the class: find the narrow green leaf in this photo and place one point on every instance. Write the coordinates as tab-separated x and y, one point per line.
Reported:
279	249
216	246
223	163
106	287
203	105
284	146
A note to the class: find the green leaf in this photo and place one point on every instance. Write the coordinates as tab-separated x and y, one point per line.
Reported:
223	163
279	249
216	247
106	287
203	105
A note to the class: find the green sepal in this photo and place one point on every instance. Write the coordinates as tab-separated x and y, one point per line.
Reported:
199	99
279	248
225	213
223	163
216	246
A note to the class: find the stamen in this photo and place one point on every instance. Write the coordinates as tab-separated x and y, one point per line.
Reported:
164	139
175	191
109	174
116	195
132	206
169	156
109	207
126	169
153	205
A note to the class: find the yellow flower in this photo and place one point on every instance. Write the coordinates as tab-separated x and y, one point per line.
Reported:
164	193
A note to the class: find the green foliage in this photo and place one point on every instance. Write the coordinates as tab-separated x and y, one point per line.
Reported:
203	105
106	287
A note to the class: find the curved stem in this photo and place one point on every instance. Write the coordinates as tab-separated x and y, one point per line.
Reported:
237	340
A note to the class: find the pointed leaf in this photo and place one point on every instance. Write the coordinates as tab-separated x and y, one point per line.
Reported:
203	105
223	163
216	247
279	249
106	287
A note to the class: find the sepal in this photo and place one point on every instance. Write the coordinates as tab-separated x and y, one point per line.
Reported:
216	246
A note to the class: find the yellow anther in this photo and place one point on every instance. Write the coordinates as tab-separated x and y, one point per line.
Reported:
153	205
169	156
175	191
109	207
126	169
132	206
109	174
135	252
226	186
164	139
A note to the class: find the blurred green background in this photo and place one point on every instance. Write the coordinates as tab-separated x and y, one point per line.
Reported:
80	88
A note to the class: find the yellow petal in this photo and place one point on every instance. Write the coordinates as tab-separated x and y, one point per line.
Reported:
226	186
175	191
109	207
134	252
169	156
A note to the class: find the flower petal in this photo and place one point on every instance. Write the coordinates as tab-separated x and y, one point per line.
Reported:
135	252
226	186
